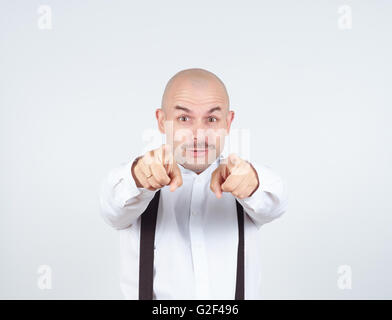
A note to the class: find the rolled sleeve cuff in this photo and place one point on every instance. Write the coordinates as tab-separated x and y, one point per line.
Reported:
126	185
269	201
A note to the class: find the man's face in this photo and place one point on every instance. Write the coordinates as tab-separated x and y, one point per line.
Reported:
196	119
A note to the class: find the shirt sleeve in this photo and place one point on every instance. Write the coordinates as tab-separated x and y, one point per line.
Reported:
270	200
122	202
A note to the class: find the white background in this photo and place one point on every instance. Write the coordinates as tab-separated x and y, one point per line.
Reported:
75	100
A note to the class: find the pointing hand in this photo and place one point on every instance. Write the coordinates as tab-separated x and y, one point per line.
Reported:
236	176
156	169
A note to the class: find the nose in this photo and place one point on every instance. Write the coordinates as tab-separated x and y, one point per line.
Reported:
198	131
202	134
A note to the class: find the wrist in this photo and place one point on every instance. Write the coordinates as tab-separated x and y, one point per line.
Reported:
257	178
138	184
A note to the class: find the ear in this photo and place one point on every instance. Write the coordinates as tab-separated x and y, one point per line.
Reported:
229	120
160	115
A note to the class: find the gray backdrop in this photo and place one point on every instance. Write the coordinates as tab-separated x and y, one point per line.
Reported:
314	91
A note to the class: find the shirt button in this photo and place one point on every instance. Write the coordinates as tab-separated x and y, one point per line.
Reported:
194	212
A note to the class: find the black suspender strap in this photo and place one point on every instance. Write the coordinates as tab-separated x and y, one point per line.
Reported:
146	259
240	282
147	239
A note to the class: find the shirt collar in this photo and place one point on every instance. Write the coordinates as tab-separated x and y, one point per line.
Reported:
206	172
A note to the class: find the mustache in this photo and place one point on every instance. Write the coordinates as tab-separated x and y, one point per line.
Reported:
198	146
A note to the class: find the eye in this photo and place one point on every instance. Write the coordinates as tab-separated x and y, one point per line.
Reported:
212	119
183	118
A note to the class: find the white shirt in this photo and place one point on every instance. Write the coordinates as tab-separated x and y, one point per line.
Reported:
196	233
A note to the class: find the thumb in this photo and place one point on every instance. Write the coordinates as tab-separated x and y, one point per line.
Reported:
176	177
216	181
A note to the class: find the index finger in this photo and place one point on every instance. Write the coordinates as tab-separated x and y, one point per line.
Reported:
168	157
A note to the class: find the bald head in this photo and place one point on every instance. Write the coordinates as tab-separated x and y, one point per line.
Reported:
196	85
195	117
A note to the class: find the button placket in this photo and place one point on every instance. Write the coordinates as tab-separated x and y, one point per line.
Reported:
199	255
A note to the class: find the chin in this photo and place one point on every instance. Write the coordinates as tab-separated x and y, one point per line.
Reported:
198	165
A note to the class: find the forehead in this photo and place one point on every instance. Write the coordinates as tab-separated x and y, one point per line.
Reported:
198	96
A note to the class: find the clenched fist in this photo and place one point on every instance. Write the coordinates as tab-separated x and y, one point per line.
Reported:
156	169
236	176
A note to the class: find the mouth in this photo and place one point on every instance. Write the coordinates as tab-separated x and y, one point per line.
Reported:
197	152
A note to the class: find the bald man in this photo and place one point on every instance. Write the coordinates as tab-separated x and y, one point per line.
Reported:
190	219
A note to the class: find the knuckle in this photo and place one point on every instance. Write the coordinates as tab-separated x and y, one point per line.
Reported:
146	185
147	161
156	184
162	181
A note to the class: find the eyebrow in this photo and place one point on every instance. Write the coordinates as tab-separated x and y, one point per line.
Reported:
190	111
215	109
183	108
